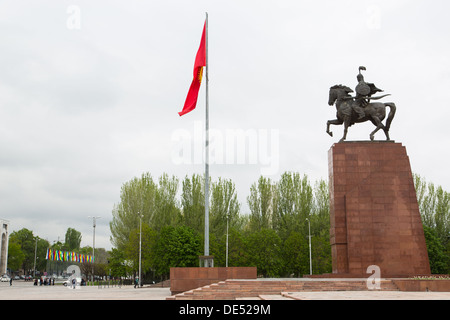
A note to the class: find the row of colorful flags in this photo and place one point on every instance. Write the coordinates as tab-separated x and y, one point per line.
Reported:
67	256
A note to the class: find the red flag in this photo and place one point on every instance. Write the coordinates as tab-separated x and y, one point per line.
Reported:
200	62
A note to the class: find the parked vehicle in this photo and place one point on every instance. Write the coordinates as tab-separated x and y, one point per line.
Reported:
5	278
68	282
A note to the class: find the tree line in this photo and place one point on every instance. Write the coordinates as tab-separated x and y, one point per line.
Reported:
273	235
434	207
27	252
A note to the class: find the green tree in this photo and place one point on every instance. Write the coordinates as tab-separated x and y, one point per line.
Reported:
175	247
16	256
321	252
147	245
72	239
436	252
295	203
261	201
264	252
193	202
41	252
296	255
320	229
167	212
321	209
238	255
434	207
118	263
224	207
27	242
141	197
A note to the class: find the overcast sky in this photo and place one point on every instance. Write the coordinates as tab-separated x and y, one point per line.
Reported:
90	93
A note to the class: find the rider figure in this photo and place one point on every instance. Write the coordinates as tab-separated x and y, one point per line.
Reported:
363	91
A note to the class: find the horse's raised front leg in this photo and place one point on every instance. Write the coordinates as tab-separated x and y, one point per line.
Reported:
334	122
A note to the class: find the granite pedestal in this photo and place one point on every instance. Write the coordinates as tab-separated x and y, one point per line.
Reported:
374	215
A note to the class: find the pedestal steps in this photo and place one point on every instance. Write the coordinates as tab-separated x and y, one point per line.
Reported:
263	289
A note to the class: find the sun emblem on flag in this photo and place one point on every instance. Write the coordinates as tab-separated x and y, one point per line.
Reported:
200	74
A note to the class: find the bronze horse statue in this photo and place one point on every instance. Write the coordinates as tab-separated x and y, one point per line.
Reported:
374	112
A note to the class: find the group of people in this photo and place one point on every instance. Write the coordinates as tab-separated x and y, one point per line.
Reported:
44	281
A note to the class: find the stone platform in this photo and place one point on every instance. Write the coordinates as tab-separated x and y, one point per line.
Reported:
234	289
318	289
374	215
184	279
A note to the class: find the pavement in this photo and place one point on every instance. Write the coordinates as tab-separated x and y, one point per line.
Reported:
367	295
21	290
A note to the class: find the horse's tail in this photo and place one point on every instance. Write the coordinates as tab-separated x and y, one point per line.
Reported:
391	115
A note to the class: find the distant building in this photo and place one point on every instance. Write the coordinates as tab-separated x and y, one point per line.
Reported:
4	234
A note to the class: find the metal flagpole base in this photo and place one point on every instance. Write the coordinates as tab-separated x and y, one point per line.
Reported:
206	261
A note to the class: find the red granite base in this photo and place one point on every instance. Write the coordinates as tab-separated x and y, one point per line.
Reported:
184	279
374	215
422	285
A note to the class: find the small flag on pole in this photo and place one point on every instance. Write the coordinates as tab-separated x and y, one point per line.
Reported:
200	62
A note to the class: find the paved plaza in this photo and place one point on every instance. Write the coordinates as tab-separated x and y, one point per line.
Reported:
21	290
369	295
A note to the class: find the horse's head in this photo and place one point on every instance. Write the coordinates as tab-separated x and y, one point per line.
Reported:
337	92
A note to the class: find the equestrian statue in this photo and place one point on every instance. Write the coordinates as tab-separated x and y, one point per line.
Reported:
357	109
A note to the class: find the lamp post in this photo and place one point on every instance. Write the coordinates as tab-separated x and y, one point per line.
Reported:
309	236
226	257
35	254
93	244
140	248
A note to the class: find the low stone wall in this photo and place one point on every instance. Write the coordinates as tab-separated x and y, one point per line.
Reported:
422	285
184	279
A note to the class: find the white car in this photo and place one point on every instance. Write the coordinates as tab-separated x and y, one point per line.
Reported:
5	278
68	282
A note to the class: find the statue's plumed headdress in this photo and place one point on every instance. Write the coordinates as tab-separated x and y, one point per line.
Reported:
360	77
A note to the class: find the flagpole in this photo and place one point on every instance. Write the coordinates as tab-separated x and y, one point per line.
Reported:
207	146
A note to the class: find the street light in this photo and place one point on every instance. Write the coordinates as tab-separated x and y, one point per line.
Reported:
93	244
140	248
35	254
309	232
226	258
